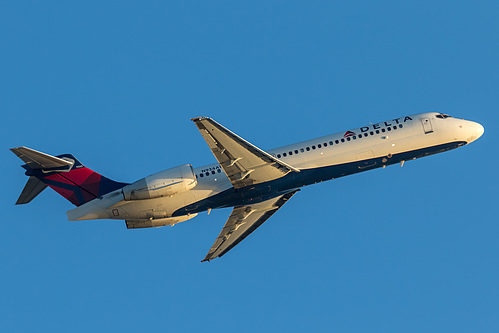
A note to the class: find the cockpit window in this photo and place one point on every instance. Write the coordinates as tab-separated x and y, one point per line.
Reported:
443	116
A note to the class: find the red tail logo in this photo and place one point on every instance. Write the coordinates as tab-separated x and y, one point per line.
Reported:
78	185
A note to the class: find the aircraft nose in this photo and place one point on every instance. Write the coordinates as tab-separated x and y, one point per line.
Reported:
479	130
476	131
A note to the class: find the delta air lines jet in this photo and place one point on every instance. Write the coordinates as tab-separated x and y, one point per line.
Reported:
254	182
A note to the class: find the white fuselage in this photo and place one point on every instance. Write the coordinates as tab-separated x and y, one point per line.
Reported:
328	157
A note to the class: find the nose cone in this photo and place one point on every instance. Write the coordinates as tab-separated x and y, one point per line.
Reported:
476	132
479	130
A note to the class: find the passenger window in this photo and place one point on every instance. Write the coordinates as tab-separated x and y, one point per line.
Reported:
278	155
360	136
213	172
336	141
308	148
395	127
201	175
383	130
388	129
400	126
313	147
319	146
354	137
372	133
348	139
330	143
207	174
325	144
296	151
219	170
302	150
284	154
377	131
290	153
342	140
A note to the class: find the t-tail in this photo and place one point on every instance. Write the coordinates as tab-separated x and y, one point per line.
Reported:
64	174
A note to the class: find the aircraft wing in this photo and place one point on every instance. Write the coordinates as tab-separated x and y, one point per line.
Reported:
243	221
244	163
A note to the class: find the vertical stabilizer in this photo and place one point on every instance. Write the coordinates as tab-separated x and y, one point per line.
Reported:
64	174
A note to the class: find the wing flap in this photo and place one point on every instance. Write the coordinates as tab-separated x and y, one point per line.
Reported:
243	163
242	222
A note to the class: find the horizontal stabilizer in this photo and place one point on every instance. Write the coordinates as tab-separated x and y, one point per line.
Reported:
38	160
33	187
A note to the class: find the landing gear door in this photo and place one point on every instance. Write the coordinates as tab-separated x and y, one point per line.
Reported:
427	125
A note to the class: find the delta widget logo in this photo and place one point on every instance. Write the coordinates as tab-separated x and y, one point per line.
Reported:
348	133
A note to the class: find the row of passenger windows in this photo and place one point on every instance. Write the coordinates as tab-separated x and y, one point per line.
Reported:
207	173
320	145
349	138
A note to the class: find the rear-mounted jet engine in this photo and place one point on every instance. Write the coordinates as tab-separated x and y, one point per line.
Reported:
162	184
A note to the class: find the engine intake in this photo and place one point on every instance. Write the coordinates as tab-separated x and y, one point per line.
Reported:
165	183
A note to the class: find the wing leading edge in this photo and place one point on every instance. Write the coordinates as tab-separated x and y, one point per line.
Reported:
243	221
244	163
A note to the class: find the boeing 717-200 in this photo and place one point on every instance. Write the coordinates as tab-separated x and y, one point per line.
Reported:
254	182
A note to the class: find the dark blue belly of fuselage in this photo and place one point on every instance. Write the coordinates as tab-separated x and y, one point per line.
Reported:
294	180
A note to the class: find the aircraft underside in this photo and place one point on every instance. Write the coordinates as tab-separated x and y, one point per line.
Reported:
293	181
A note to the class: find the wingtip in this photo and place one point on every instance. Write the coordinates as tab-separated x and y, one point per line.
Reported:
199	118
16	148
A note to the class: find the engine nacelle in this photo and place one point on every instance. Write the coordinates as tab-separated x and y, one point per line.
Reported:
162	184
153	223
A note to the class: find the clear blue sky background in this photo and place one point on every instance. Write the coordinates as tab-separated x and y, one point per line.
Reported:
412	249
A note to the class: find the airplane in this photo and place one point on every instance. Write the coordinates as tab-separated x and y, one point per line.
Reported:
256	183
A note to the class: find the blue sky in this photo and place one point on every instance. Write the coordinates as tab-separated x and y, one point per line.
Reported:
115	83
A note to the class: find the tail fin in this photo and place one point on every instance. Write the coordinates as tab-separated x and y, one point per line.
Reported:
64	174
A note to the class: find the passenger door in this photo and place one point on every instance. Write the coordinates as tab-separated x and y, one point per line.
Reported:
427	125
